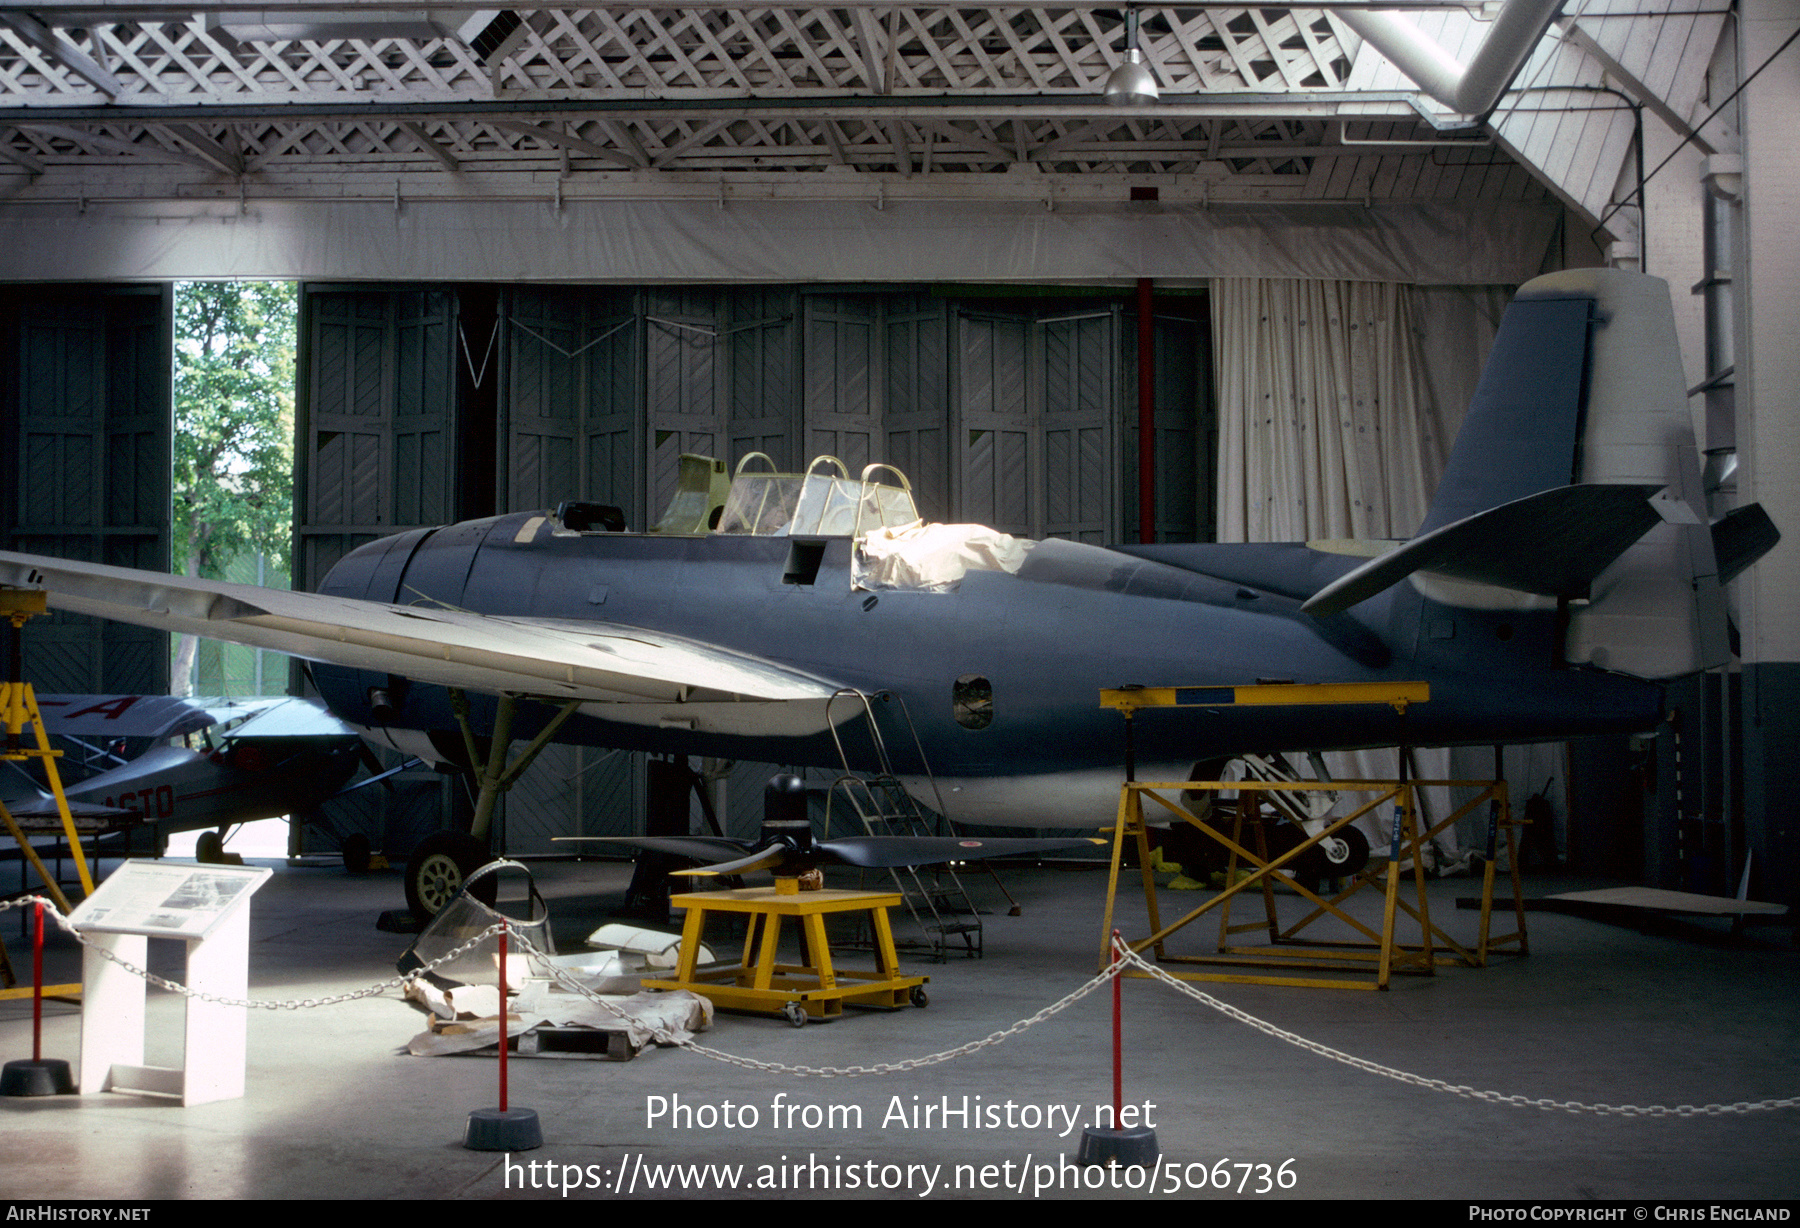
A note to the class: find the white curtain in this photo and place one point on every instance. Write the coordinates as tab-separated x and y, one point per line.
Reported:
1338	402
1323	425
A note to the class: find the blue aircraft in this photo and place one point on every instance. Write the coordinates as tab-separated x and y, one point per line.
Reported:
1567	567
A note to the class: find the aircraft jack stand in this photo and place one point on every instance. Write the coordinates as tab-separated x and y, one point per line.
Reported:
814	989
18	708
1366	964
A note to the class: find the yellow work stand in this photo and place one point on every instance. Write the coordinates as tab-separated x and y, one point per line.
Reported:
1254	868
816	990
18	708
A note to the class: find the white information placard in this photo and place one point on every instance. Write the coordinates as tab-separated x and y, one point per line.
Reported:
207	909
164	899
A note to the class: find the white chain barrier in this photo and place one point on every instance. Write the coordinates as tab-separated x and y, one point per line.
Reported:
1124	958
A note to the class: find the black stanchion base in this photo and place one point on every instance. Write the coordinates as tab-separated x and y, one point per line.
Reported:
49	1077
503	1130
1136	1147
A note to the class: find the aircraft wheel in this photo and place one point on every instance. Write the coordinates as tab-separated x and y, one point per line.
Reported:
356	853
1341	855
796	1014
209	848
439	866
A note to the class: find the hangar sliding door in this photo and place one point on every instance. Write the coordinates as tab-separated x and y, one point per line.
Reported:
571	427
85	423
376	415
1036	403
569	402
876	387
378	425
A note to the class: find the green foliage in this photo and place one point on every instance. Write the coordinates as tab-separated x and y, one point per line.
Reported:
234	423
234	461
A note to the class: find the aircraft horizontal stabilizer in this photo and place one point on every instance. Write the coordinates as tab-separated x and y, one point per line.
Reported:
643	676
1552	543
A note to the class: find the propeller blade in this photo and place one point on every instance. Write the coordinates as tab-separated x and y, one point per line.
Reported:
694	848
762	859
883	852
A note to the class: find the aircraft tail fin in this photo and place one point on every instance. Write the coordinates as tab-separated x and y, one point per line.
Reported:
1576	476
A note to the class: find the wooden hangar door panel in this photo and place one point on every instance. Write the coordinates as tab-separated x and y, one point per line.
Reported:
877	388
376	448
380	446
684	386
85	427
1036	395
762	337
571	407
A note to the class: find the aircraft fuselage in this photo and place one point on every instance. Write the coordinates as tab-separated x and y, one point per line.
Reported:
1041	643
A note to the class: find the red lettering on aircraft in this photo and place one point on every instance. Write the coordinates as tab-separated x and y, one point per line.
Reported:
112	709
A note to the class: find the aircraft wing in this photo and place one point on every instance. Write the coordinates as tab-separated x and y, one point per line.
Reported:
619	672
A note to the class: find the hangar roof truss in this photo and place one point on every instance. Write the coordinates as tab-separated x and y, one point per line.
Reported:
107	98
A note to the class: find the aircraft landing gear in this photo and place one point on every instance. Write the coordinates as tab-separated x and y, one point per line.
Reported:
209	848
438	868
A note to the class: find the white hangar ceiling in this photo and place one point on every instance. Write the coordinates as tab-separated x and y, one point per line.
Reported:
114	103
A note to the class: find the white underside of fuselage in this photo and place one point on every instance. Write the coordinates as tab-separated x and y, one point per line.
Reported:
1081	799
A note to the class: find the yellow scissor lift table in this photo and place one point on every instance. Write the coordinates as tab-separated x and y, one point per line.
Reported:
1287	958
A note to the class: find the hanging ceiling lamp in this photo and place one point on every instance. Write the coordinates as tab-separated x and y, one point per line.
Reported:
1131	84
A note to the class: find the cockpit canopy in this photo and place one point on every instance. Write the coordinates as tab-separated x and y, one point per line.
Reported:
825	501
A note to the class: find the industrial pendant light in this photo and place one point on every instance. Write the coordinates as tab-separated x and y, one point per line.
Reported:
1131	84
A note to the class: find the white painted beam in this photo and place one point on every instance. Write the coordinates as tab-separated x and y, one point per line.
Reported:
46	41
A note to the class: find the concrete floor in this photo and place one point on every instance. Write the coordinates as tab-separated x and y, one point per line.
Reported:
1597	1013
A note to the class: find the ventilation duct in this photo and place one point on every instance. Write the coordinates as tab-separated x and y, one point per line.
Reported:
1468	91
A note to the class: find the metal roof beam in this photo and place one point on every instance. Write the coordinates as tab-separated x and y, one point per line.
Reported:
993	107
423	139
19	157
564	140
46	41
88	12
156	153
1633	86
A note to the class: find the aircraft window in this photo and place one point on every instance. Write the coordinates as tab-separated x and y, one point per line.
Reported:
818	503
700	488
761	504
972	699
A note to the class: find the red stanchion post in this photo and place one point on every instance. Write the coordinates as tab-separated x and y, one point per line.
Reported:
503	1128
37	987
37	1077
1117	1143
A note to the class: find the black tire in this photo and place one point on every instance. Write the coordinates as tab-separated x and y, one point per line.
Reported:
439	866
919	997
1338	856
356	853
209	848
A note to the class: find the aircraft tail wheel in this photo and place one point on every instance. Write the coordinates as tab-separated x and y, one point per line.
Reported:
796	1014
438	868
209	848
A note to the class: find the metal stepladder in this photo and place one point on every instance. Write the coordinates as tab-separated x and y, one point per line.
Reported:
882	806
